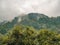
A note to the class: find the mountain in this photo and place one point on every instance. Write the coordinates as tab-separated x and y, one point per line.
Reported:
4	27
33	19
36	20
41	21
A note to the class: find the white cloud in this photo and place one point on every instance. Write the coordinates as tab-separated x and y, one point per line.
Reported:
12	8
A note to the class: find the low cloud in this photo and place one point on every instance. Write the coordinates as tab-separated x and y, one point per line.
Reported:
11	8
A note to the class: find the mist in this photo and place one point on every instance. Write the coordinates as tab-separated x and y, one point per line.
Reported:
12	8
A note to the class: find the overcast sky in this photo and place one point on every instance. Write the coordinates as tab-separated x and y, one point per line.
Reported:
11	8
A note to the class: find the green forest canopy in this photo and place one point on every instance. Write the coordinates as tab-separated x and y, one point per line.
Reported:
29	36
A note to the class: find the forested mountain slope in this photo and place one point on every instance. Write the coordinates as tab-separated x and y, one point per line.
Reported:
36	20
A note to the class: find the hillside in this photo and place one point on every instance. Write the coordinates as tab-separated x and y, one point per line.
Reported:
40	21
36	20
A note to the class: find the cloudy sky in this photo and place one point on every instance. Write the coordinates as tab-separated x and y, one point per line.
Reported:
11	8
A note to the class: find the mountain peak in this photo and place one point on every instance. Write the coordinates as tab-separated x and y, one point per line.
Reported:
36	16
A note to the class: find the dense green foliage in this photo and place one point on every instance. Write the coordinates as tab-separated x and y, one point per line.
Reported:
30	36
31	29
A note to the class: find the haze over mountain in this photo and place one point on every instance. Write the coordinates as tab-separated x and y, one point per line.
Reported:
35	20
12	8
